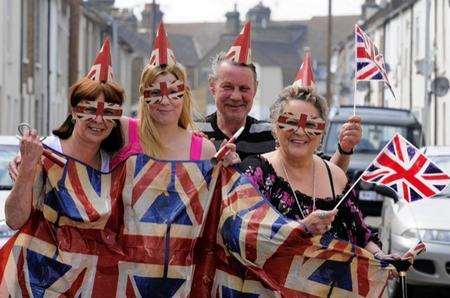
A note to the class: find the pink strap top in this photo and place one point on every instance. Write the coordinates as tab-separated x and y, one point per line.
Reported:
134	147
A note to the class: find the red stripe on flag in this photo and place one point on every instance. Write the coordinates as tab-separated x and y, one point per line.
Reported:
191	191
72	173
367	74
398	148
146	180
251	238
362	269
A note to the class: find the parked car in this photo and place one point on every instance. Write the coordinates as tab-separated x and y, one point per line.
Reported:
378	127
9	146
404	223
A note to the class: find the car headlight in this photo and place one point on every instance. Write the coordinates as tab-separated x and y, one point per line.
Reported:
428	235
5	231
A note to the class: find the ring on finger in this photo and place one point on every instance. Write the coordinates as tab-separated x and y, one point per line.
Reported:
322	215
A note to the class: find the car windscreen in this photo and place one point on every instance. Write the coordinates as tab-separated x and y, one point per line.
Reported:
7	153
443	162
374	137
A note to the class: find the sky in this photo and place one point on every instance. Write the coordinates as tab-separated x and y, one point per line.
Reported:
182	11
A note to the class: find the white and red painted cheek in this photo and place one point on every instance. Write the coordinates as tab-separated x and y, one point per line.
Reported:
310	125
89	110
157	92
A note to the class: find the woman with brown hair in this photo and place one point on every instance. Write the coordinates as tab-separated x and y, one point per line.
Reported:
89	134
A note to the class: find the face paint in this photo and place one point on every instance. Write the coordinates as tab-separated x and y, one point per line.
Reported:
157	91
312	126
90	109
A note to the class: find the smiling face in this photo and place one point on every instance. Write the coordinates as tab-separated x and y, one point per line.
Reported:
296	142
165	99
233	91
95	119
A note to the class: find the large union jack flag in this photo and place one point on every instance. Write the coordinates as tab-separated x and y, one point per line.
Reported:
369	61
407	171
172	229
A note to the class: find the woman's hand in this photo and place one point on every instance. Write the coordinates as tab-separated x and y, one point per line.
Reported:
350	133
319	221
231	157
30	150
13	167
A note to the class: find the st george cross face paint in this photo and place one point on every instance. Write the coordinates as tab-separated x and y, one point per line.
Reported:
170	89
312	126
90	109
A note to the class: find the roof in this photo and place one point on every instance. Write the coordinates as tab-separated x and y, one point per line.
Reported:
205	35
317	34
368	114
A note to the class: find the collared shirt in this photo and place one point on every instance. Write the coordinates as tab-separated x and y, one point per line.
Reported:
255	139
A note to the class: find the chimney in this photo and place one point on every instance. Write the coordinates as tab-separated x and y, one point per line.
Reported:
233	23
151	17
259	15
368	9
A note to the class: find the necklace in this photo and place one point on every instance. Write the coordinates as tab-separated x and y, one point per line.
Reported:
293	191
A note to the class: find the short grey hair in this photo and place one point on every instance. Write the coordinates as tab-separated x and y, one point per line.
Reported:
298	93
217	60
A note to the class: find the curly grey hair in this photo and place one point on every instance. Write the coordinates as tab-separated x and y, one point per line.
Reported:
297	93
219	58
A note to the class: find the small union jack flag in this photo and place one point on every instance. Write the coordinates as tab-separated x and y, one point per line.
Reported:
403	168
369	61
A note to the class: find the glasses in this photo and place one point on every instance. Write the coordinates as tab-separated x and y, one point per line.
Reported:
312	126
90	109
157	91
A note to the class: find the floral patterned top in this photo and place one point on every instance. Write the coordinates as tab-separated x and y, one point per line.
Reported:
349	223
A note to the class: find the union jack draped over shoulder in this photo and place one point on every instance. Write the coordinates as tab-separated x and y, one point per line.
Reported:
172	229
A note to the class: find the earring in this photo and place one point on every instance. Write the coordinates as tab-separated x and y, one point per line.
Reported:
73	120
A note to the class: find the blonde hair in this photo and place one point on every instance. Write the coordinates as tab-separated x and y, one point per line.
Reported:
148	134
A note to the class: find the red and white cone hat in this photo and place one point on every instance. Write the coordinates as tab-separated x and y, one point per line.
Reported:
102	70
240	51
162	54
305	75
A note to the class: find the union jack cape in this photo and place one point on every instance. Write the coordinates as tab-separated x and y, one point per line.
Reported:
157	228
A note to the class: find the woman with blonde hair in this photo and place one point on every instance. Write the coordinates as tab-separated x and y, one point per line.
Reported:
164	128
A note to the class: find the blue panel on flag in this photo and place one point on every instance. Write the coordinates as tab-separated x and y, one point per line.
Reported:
231	293
167	209
277	225
230	233
333	272
95	179
67	206
141	160
157	287
43	272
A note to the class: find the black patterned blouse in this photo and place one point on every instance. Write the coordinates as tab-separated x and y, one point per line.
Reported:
348	225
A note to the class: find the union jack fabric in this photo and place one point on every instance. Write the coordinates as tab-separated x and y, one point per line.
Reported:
162	54
407	171
305	75
369	61
240	51
157	228
102	70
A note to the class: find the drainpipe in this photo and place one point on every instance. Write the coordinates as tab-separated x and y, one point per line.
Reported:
47	108
426	74
21	61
